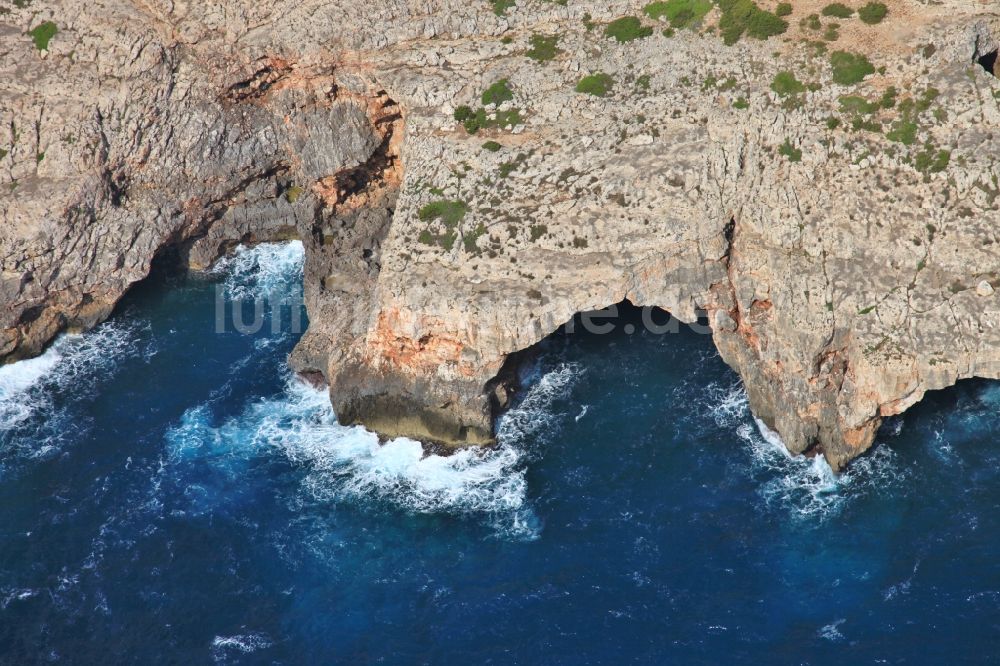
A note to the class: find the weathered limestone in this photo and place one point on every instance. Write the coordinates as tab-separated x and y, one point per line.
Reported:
842	282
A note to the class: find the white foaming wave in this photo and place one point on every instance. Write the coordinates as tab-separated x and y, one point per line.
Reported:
17	379
262	270
73	362
805	487
532	421
222	646
831	632
349	464
729	404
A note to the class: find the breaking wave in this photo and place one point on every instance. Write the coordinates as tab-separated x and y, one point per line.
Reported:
801	486
34	418
262	270
344	463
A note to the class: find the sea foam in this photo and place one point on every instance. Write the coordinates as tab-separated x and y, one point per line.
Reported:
263	270
800	486
348	463
32	424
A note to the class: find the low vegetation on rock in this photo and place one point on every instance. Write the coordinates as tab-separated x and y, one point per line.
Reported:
42	34
680	13
597	84
474	120
543	47
838	10
744	17
626	29
447	212
791	152
850	68
873	13
786	84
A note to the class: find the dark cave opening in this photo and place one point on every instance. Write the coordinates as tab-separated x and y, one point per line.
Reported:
989	62
617	323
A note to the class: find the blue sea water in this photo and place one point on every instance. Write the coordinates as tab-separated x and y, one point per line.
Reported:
170	494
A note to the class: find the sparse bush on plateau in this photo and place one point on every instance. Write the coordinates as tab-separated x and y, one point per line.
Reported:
873	13
497	94
786	84
850	68
42	34
543	47
626	29
595	84
741	17
838	10
680	13
791	152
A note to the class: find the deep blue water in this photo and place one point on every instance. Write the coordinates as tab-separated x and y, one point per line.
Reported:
168	494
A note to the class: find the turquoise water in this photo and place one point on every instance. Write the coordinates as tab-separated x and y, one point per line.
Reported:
169	494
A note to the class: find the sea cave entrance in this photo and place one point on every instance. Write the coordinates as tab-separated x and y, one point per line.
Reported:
989	62
600	341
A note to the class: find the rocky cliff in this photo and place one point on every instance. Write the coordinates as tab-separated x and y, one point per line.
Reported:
466	176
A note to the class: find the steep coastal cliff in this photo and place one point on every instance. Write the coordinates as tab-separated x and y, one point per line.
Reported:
468	176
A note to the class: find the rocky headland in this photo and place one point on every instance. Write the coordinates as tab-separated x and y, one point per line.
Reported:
820	183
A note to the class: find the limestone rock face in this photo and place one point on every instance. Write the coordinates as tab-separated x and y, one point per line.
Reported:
835	219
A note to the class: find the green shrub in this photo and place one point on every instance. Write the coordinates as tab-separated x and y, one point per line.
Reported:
832	123
850	68
786	84
497	94
741	103
741	17
873	13
543	47
464	113
904	132
595	84
538	230
450	212
791	152
680	13
838	10
626	29
492	146
857	105
888	100
42	33
293	193
930	161
859	123
470	239
477	121
500	7
505	119
783	9
927	98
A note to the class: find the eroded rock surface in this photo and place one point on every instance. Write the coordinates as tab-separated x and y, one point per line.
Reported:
840	236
